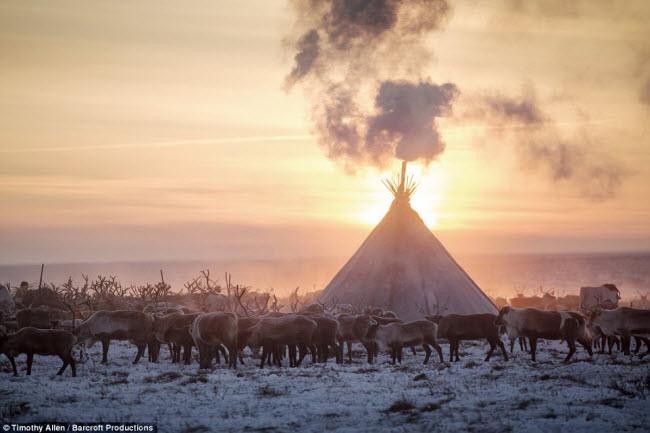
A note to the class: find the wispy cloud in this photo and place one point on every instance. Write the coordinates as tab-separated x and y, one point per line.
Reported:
175	143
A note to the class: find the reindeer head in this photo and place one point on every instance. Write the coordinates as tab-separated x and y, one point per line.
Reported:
253	338
593	317
502	318
373	326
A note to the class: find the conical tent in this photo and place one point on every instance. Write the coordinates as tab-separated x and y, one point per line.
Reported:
404	268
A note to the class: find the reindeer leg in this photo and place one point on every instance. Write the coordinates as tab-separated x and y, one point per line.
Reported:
512	345
13	364
66	362
264	354
292	355
370	348
226	356
625	342
451	350
349	351
492	347
314	353
233	355
205	355
173	353
105	345
153	350
438	349
187	354
503	349
302	349
336	352
393	354
646	341
30	360
427	351
572	348
533	347
141	348
587	345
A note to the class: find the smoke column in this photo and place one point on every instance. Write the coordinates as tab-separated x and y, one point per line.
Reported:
359	62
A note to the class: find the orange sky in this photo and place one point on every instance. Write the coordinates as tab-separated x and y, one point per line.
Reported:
160	130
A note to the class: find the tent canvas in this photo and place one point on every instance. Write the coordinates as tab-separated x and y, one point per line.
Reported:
403	267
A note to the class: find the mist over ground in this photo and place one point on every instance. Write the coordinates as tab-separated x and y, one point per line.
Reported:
497	275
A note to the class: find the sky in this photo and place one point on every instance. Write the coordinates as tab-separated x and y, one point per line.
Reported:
160	130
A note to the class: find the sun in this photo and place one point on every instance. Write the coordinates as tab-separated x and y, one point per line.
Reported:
425	201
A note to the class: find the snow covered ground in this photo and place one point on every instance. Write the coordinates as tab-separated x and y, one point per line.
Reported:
602	394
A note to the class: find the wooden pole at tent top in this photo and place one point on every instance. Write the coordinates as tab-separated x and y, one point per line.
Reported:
402	179
40	280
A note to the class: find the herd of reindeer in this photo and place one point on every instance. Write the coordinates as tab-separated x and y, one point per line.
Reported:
313	329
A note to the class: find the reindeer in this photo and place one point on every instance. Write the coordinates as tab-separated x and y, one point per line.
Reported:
549	325
593	300
105	326
271	333
325	337
212	330
354	329
243	324
457	327
32	341
396	336
174	329
623	322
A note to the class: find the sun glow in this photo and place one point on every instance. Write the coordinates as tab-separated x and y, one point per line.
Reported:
425	201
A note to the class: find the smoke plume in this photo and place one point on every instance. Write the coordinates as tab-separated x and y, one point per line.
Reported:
540	146
359	63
